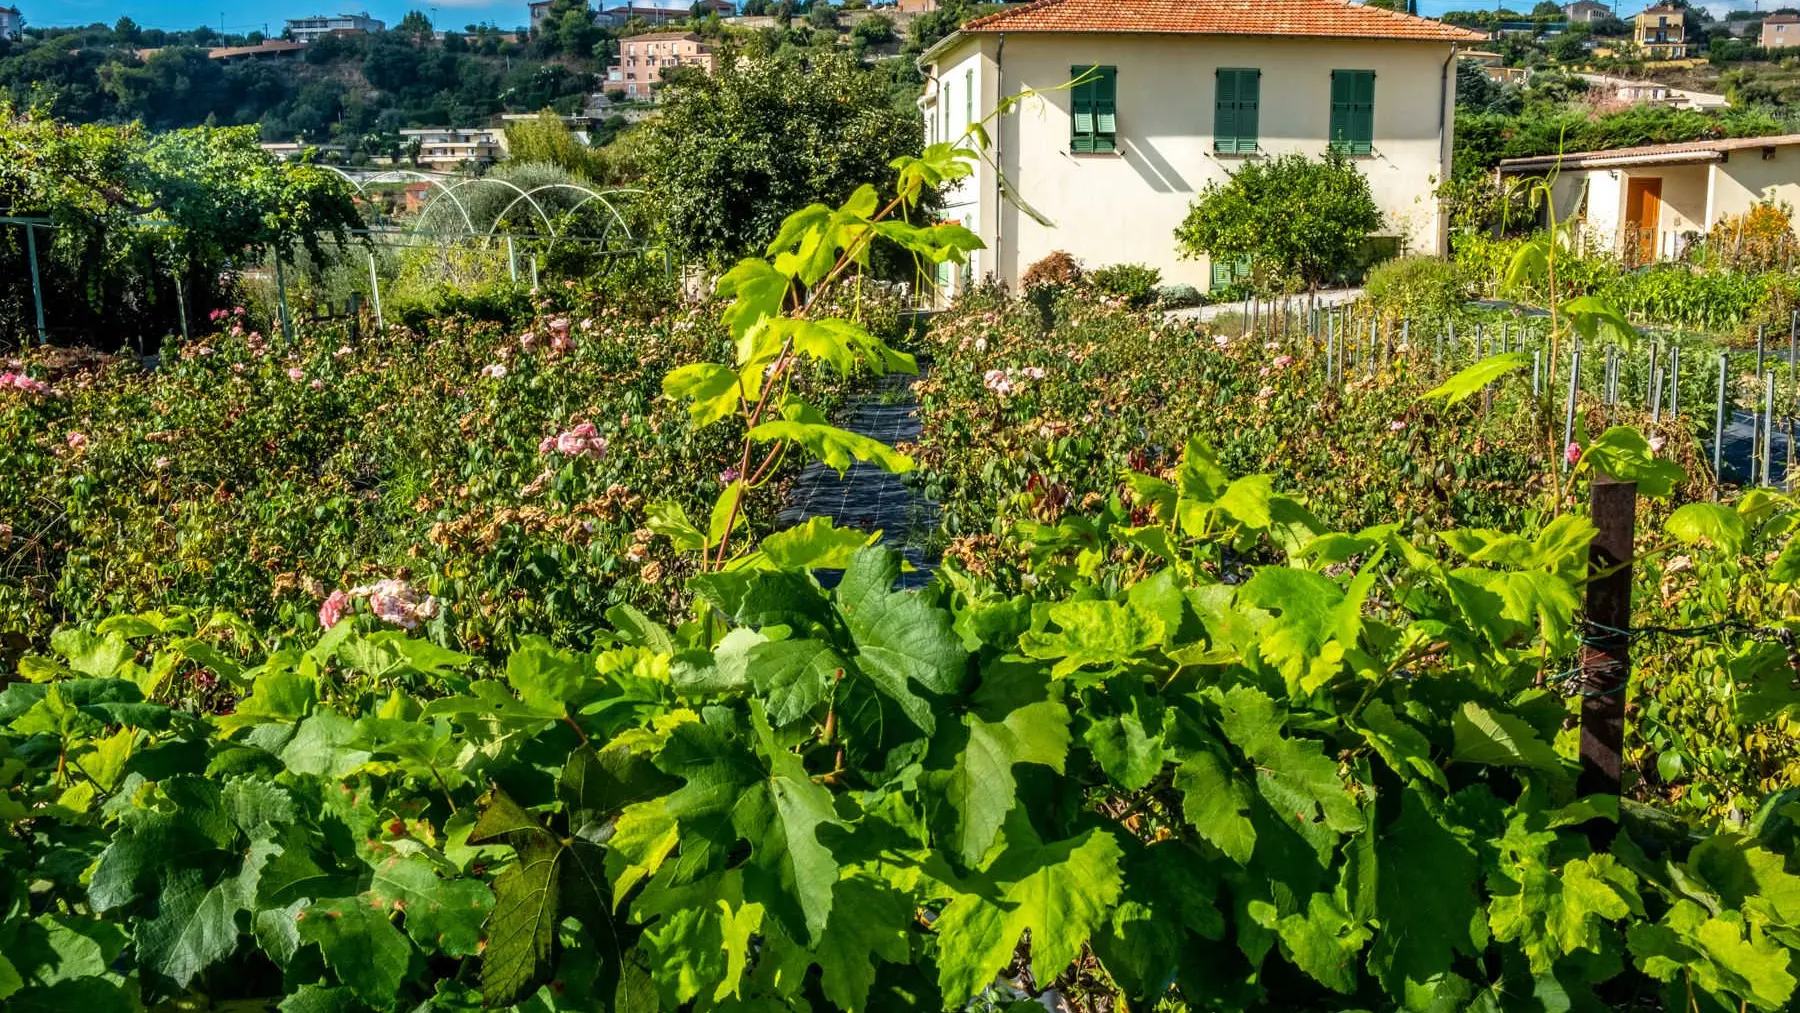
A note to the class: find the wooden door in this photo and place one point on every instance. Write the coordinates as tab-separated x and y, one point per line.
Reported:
1643	213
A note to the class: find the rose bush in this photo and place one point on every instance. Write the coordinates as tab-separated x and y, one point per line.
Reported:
501	469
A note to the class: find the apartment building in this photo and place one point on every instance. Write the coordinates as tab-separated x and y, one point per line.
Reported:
448	149
643	58
1661	32
304	30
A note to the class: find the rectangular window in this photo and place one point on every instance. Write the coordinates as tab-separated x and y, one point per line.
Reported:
1236	92
968	98
1093	106
944	111
1353	111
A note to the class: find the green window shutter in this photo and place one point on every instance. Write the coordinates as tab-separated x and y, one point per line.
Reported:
1081	111
1221	273
1249	94
1106	112
968	97
1225	121
1093	113
1353	111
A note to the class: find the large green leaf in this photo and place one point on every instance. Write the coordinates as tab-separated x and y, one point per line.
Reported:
1472	380
444	915
1418	942
1495	738
1061	893
552	878
837	448
868	924
790	871
360	945
1217	803
900	638
1720	527
980	788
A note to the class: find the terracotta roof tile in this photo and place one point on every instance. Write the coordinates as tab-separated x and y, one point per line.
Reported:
1312	18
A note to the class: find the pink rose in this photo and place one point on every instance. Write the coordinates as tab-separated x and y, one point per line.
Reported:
317	384
493	371
1572	452
1395	426
76	441
1283	361
334	608
296	374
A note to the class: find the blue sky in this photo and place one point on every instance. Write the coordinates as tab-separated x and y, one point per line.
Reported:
239	15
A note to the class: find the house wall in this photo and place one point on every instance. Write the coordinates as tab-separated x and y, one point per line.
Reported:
1747	178
1123	207
948	109
1605	204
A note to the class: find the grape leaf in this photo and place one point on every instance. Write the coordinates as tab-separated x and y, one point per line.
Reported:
1217	804
1418	941
1324	942
899	637
552	878
1495	738
1062	893
980	788
868	923
360	945
794	676
441	915
1128	755
789	872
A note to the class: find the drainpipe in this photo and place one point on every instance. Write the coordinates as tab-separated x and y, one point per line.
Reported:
999	152
1444	98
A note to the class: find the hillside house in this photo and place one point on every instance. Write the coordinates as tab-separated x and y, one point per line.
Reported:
1494	66
1661	32
452	149
1647	203
1586	12
643	58
12	23
1780	31
1113	162
661	12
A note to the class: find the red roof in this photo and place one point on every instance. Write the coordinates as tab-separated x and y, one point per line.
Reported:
1312	18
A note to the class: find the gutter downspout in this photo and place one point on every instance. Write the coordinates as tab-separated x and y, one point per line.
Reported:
1445	97
999	154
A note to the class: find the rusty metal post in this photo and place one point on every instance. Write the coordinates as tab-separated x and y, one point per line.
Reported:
1605	655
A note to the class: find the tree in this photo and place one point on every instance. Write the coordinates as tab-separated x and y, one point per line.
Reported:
1546	9
732	154
1298	220
548	140
823	16
872	30
415	27
219	201
1477	92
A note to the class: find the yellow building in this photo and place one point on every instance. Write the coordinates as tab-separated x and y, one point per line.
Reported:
1662	32
1170	97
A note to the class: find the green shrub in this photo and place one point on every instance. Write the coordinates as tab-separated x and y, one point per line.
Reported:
1427	289
1179	294
1134	283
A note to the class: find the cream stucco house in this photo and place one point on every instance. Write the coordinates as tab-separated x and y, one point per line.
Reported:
1172	94
1647	203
